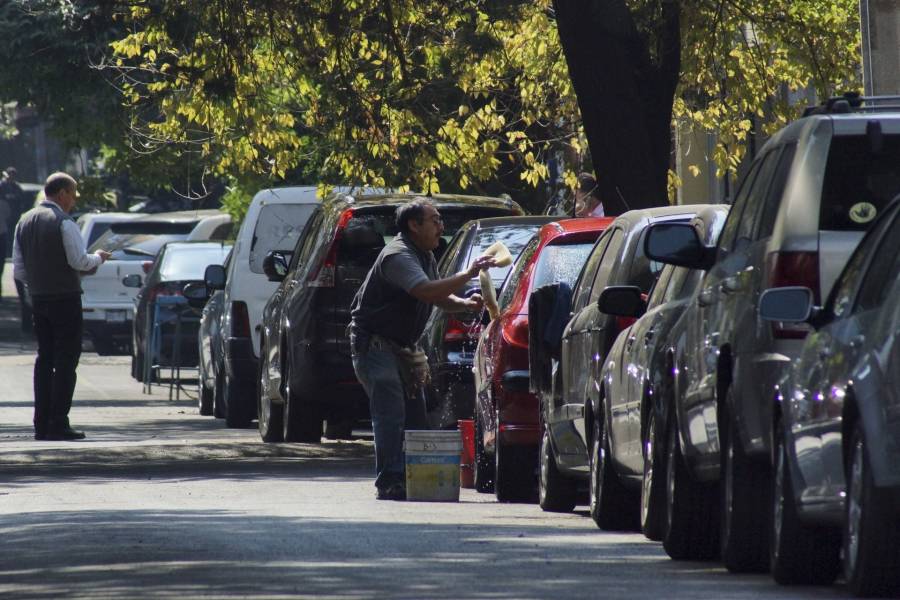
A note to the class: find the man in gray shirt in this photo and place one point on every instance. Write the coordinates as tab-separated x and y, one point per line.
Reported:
389	314
49	256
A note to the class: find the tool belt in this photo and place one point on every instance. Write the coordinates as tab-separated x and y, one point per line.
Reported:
412	363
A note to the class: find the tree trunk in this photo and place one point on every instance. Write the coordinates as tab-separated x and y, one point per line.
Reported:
625	93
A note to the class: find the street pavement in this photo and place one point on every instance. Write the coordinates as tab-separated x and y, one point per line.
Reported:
159	502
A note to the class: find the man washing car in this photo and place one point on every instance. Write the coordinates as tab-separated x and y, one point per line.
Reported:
388	315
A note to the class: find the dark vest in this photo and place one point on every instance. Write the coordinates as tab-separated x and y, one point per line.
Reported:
39	234
383	308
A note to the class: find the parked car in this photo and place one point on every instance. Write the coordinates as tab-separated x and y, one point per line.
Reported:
107	305
574	443
273	222
449	339
507	414
177	264
805	203
635	374
210	348
306	375
837	444
95	224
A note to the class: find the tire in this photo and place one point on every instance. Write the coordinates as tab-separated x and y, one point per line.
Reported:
339	429
104	347
690	507
744	509
653	483
515	473
613	507
302	423
205	399
872	531
556	492
137	366
799	554
484	466
270	414
237	414
219	397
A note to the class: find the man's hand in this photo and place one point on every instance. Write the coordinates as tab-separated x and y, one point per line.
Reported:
103	254
480	263
474	303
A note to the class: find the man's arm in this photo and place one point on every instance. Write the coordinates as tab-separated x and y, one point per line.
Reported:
454	303
18	259
76	254
441	290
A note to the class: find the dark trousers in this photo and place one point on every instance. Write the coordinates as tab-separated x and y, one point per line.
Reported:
57	326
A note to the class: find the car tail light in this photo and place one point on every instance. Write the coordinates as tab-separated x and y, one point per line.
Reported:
323	275
240	320
147	266
515	331
459	331
162	290
788	269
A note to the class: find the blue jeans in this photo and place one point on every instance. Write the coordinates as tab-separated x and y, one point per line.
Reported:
391	409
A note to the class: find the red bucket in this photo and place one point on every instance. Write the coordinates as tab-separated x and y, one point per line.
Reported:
467	456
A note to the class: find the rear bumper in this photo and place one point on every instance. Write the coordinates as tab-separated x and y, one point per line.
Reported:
118	331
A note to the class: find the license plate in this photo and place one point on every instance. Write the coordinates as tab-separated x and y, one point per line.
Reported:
116	316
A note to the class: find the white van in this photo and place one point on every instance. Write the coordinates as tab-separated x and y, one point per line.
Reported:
273	222
107	305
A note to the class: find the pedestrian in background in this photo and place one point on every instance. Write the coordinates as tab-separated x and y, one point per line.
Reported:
388	317
49	257
587	201
10	194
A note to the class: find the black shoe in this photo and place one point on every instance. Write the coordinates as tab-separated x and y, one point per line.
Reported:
66	434
392	492
40	435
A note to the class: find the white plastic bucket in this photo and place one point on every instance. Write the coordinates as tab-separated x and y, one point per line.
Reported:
432	465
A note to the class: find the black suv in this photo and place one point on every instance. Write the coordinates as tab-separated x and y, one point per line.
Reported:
306	374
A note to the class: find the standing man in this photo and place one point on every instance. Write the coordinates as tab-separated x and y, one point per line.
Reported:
49	256
388	317
587	203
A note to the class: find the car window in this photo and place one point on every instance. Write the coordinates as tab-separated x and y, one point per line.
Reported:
98	229
658	293
860	181
277	228
514	237
306	241
450	260
848	282
643	272
882	271
756	199
729	231
583	287
515	274
222	232
607	263
560	263
766	220
183	263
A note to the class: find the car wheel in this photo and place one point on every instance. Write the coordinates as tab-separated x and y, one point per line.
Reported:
653	483
745	487
339	429
205	399
613	507
219	395
302	421
799	554
104	347
872	529
514	473
484	466
270	414
690	507
137	366
556	493
236	414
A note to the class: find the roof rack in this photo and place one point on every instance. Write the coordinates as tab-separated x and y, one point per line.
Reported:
854	102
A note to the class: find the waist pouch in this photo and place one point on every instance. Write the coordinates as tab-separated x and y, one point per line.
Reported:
411	362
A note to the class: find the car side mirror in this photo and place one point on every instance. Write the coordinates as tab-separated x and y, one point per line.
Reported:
622	301
196	294
132	281
787	305
275	266
677	244
214	277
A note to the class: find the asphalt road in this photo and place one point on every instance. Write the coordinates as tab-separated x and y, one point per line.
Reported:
159	502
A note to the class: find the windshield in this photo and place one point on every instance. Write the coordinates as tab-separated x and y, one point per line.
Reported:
277	228
560	264
133	247
514	237
184	262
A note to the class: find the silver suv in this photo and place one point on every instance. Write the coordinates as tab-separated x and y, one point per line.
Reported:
802	208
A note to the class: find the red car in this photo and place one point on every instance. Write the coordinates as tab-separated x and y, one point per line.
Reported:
507	415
